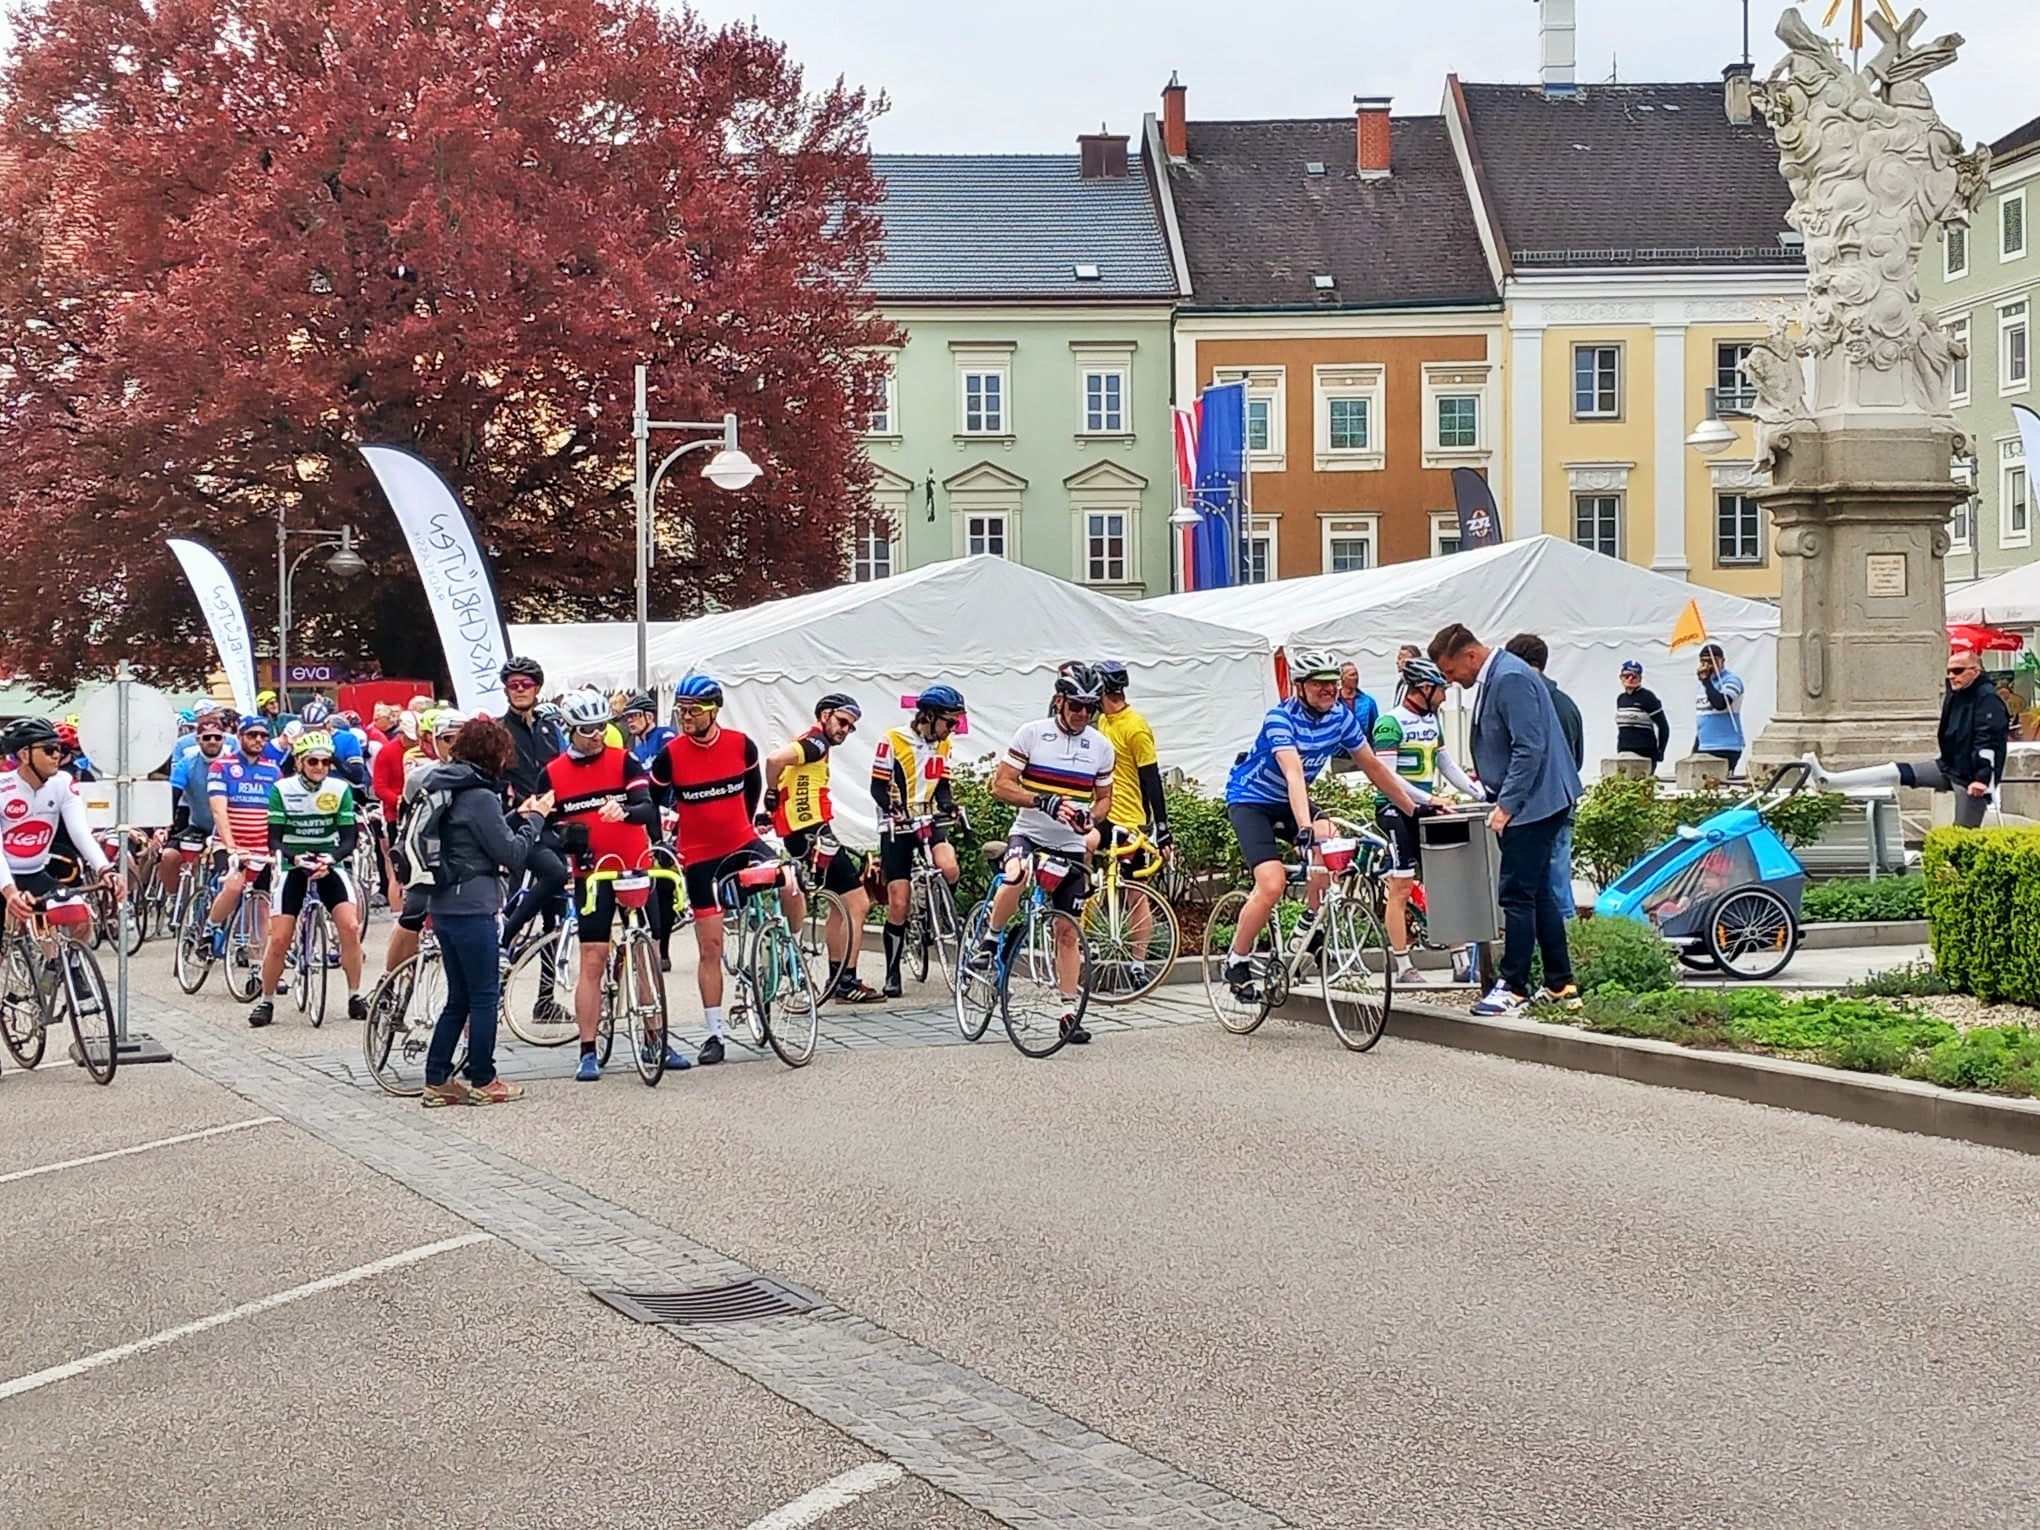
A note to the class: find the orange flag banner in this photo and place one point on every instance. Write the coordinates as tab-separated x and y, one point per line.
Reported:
1688	629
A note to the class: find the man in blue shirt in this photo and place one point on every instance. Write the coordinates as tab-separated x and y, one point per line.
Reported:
1355	700
191	819
1718	710
1267	796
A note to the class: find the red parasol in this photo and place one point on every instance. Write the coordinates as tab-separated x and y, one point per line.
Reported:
1983	639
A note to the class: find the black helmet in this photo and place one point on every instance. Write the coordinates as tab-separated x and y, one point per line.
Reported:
1080	682
518	664
641	701
25	733
1113	676
836	701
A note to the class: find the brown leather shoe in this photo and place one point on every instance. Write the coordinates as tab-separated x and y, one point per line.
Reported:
499	1091
452	1092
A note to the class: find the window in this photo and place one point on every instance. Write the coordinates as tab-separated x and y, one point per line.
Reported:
2014	351
1955	251
1597	522
1459	420
984	403
1257	566
1105	547
1733	392
1267	390
1444	533
1104	403
1349	419
1260	414
1597	382
1738	531
1348	422
871	555
2015	497
1960	527
1349	542
2012	225
1958	369
883	419
985	534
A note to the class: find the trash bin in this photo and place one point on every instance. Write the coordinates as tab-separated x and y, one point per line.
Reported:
1462	877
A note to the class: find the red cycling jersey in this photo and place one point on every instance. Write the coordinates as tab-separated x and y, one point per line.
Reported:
579	789
716	788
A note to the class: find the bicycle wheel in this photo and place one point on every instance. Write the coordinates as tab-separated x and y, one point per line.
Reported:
402	1011
975	990
124	922
1133	936
91	1008
943	924
191	958
1356	972
920	939
757	979
1032	999
641	997
316	950
244	947
795	1020
821	972
538	995
23	1025
1240	1010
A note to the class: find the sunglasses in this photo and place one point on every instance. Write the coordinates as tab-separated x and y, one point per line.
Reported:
591	730
212	738
695	711
520	685
1071	705
1961	669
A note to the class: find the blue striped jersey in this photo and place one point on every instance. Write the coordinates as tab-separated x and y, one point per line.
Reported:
1257	778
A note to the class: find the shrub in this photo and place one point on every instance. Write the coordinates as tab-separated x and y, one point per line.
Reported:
1911	981
1983	910
1865	898
1204	836
1622	817
1620	953
1988	1057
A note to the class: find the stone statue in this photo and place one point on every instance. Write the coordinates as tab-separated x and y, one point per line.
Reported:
1773	369
1872	168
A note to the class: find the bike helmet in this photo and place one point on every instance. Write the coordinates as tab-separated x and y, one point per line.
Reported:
313	745
1421	671
350	719
444	721
586	709
252	722
519	665
700	689
940	698
67	734
25	733
1080	682
1112	674
1313	664
549	712
187	719
315	711
641	701
836	701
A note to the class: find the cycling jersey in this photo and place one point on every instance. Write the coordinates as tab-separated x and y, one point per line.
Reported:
1071	765
1133	746
1257	778
801	794
1413	745
188	785
244	785
30	818
646	750
580	786
717	787
311	820
912	766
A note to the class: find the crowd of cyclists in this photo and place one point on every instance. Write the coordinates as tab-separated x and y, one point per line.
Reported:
480	827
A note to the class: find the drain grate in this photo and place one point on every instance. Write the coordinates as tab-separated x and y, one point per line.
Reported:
757	1297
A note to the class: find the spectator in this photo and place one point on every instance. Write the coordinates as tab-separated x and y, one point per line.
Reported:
1972	738
1355	700
1718	710
1642	731
1536	653
1534	785
1404	654
477	846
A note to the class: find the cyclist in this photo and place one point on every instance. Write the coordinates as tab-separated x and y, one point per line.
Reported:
803	816
76	763
603	799
237	791
311	818
1139	804
39	800
537	741
191	820
1267	796
910	776
646	739
1408	738
719	783
187	735
1058	773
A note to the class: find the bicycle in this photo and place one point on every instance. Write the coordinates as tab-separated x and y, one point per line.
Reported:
769	965
824	971
932	921
1131	927
191	955
245	935
403	1008
633	989
314	948
1341	938
1023	977
544	966
49	960
112	917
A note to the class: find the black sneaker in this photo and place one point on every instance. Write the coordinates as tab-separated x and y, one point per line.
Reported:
1074	1032
892	989
357	1007
1239	977
263	1012
711	1052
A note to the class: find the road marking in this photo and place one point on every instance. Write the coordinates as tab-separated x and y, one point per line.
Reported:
836	1493
65	1372
139	1147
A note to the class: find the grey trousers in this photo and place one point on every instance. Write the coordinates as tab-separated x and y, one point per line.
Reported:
1968	810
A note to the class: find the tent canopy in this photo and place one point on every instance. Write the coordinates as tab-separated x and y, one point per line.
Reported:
1592	610
2010	599
565	650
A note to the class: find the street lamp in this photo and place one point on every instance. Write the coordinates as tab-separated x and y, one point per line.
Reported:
1712	436
730	469
345	564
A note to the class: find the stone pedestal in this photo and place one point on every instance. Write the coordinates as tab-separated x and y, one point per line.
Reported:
1859	504
1634	766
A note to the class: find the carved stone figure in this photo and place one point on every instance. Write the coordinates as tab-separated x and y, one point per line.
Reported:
1772	367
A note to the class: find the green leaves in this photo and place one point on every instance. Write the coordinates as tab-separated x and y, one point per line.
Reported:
1621	817
1983	910
1865	898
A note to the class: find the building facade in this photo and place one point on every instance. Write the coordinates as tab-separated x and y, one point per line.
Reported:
1984	281
1026	414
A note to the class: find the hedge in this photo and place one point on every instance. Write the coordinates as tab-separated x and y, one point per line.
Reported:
1865	898
1983	911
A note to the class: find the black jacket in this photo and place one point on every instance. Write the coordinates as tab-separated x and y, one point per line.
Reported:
1641	726
1570	723
1973	732
476	843
537	743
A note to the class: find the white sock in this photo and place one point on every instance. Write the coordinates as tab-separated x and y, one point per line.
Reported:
1403	958
712	1014
1869	775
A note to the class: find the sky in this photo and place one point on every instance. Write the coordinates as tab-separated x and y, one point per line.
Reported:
1029	76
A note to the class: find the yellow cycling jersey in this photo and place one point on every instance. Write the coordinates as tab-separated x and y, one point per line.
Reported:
913	765
1133	745
802	798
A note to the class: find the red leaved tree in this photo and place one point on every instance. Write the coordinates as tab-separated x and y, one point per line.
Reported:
240	238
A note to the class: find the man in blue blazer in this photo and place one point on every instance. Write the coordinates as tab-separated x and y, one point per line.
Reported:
1522	760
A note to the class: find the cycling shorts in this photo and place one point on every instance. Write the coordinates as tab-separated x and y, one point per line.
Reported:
595	923
1069	895
417	908
1266	830
335	890
1401	832
703	878
845	873
896	852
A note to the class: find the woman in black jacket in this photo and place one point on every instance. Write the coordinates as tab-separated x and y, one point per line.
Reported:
477	847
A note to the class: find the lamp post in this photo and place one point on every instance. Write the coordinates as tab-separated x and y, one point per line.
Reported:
345	563
729	469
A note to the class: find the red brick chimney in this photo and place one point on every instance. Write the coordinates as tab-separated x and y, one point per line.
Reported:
1102	156
1176	118
1371	130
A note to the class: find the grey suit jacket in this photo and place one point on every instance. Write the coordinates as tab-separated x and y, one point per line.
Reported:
1518	748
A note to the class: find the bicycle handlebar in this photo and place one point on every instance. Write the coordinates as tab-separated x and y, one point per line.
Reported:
592	880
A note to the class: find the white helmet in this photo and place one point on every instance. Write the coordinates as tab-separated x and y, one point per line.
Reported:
1313	664
585	709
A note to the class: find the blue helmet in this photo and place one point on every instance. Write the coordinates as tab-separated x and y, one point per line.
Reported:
187	718
315	711
698	688
940	698
252	720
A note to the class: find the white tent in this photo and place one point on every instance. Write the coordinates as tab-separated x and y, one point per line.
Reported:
2010	599
1592	610
565	649
994	629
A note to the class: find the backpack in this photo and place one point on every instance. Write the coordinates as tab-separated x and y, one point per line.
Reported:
420	844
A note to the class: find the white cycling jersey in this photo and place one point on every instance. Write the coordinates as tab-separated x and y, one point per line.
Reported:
29	817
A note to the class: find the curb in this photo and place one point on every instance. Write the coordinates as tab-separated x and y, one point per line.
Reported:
1867	1099
1868	932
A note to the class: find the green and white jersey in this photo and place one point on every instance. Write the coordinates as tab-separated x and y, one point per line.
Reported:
1409	742
311	817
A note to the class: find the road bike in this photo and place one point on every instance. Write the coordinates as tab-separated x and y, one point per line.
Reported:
932	920
824	909
1132	930
48	972
245	933
113	917
544	966
314	946
403	1007
775	998
1021	975
191	951
633	989
1341	940
365	866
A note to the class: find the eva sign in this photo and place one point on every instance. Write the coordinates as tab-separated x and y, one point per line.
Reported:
151	729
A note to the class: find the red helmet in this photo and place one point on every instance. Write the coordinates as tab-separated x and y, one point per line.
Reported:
67	735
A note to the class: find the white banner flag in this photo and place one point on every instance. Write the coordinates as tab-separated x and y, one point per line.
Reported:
458	580
221	603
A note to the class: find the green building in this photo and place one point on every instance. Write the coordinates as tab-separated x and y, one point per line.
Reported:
1985	284
1027	413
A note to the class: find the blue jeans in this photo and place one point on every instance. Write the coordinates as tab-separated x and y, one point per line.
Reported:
1530	916
1561	873
467	954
